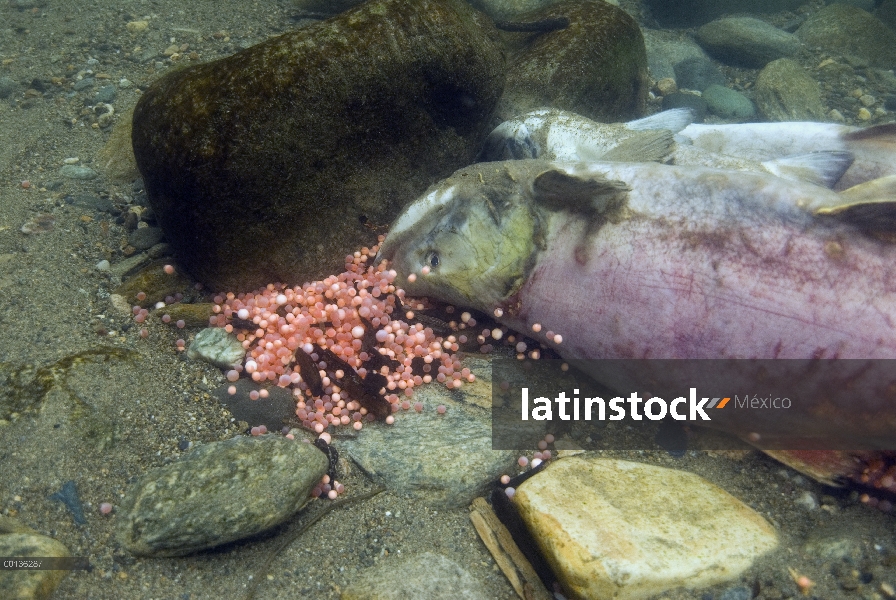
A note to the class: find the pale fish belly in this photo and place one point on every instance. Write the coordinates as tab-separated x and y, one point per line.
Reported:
676	288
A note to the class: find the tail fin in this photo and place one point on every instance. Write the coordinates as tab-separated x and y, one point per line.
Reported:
870	206
819	168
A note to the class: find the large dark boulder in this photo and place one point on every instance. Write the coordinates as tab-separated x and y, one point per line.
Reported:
595	66
272	164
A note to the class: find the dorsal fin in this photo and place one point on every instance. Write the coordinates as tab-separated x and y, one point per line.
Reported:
819	168
558	190
871	206
647	146
674	119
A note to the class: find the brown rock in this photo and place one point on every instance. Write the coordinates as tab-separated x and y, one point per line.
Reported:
274	163
596	66
30	584
853	33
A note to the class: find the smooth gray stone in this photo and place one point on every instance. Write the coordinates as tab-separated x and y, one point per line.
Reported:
144	238
77	172
746	41
448	459
728	104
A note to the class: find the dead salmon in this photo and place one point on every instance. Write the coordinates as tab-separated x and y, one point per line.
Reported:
651	261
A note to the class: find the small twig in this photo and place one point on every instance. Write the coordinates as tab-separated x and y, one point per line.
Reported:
507	555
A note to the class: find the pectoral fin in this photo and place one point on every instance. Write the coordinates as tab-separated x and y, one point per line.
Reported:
558	190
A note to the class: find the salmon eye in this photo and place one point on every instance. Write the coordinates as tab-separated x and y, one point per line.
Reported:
433	260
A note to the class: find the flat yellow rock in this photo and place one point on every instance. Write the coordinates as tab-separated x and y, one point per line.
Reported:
625	530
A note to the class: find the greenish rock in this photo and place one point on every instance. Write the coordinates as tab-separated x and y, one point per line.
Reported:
10	525
596	66
130	266
688	13
728	104
106	93
91	201
426	575
219	493
784	91
866	5
698	74
851	32
78	172
84	84
30	584
24	386
274	163
216	346
665	49
331	7
746	41
684	100
886	12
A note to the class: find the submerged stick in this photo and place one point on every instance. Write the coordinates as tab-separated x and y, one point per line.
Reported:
507	555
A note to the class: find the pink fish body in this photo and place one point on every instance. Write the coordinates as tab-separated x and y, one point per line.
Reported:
643	260
650	261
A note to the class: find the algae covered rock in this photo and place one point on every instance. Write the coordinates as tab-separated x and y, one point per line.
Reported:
595	66
274	163
219	493
786	92
851	32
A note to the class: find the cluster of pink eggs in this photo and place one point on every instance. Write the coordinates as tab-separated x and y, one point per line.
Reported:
275	322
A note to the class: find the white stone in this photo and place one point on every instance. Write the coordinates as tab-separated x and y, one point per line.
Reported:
625	530
216	346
